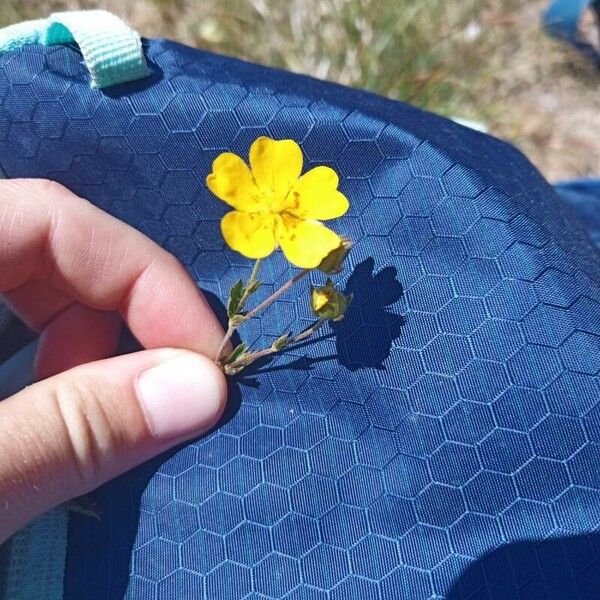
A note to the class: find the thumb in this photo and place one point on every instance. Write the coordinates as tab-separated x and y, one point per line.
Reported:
68	434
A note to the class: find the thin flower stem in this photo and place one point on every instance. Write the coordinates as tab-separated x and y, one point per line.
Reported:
308	332
255	268
256	310
228	334
251	357
231	329
282	290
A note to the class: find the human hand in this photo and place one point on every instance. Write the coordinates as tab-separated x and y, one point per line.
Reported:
74	273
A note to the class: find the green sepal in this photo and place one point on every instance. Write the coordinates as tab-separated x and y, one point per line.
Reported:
347	300
334	262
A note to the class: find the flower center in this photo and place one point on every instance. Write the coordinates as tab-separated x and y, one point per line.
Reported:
282	203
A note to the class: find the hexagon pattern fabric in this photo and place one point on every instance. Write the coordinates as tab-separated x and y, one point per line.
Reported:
443	441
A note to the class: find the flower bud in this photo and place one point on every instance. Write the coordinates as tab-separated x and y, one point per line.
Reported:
329	303
334	261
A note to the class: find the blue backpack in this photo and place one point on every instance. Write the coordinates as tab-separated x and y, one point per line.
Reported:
442	442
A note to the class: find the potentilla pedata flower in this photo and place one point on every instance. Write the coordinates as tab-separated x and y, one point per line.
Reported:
275	205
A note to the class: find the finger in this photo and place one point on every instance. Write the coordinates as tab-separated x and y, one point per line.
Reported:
36	303
68	434
77	335
47	233
71	333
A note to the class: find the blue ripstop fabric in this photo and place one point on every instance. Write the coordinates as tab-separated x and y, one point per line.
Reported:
583	195
561	19
562	16
442	441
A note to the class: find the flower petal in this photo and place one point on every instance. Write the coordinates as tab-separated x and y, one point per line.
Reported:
317	195
276	164
231	180
252	235
305	243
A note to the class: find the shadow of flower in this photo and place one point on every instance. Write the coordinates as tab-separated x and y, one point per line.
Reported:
538	568
363	338
365	335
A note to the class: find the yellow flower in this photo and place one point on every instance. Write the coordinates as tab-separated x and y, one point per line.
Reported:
275	205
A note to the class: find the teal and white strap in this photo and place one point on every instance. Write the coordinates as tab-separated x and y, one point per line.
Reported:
111	50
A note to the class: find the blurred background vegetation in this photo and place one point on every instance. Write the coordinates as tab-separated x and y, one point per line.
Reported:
483	60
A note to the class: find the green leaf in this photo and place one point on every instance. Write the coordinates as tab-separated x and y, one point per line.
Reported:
83	505
237	352
235	295
281	342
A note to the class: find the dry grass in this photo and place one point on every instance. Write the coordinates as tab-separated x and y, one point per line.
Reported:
481	59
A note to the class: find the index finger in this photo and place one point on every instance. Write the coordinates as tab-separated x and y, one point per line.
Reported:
49	234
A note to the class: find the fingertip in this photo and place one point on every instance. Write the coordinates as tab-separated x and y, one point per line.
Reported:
182	397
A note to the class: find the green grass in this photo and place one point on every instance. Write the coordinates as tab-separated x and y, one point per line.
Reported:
486	60
409	49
